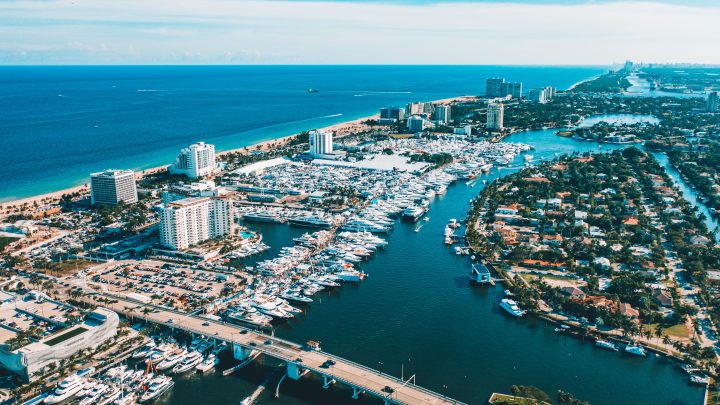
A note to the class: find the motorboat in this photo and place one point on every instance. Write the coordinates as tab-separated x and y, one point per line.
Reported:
414	213
66	389
158	386
270	308
208	364
144	351
109	396
604	344
191	360
126	399
636	350
511	307
172	360
699	379
93	396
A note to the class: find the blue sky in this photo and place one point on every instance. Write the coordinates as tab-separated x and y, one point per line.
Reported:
357	32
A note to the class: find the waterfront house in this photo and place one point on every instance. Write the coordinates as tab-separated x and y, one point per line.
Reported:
663	298
627	310
573	292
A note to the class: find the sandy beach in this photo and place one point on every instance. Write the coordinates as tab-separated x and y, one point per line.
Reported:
340	129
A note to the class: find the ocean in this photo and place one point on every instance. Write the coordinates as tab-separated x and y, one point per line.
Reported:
60	123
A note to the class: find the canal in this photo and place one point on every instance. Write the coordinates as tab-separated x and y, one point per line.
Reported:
416	314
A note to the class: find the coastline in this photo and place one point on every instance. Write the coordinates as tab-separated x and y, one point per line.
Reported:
341	129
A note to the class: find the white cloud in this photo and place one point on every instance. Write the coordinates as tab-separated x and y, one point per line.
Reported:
224	31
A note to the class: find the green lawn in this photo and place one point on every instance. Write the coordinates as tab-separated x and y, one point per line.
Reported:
680	331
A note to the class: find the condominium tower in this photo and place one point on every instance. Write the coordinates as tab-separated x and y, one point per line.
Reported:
187	222
442	114
113	186
498	87
197	160
321	143
712	101
495	113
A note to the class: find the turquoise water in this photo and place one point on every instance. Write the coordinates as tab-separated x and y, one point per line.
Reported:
59	124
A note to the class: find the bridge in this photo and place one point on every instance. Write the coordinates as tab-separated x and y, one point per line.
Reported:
299	360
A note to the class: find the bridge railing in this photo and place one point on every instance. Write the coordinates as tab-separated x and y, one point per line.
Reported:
270	352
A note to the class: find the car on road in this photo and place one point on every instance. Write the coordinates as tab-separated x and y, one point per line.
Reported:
388	389
268	342
206	324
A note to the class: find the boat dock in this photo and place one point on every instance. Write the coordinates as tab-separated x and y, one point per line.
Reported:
299	360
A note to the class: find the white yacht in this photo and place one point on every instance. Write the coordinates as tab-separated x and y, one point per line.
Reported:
144	351
126	399
94	393
208	364
511	307
295	296
109	396
270	308
636	350
172	360
191	360
251	317
604	344
158	386
66	389
414	213
350	275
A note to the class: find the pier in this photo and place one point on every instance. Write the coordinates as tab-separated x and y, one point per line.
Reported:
299	360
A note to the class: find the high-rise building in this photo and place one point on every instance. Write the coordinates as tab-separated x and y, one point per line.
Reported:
494	87
321	143
113	186
187	222
513	89
541	95
417	123
197	160
498	87
442	114
396	113
417	108
712	101
495	113
629	66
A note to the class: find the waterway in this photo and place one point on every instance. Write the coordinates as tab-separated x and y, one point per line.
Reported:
687	193
417	314
641	88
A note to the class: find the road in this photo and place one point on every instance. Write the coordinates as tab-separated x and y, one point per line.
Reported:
343	371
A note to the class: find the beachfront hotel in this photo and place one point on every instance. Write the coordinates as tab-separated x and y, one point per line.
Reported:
495	114
321	143
110	187
187	222
197	160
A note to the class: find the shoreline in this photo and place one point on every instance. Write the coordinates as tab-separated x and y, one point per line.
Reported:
343	128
